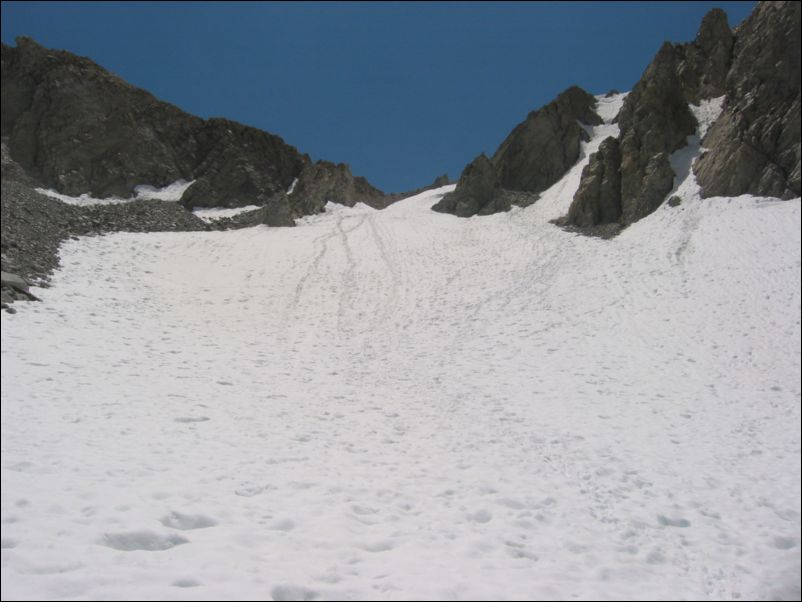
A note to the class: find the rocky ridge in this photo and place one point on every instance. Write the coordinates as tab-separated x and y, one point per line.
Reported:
77	128
70	125
754	145
536	154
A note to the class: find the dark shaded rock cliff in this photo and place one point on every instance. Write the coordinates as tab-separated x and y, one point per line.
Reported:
75	127
536	154
753	147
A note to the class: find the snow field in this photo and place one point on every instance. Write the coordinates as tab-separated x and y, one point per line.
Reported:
213	213
143	192
402	404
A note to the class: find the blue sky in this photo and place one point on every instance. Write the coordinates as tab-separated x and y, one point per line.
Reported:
401	91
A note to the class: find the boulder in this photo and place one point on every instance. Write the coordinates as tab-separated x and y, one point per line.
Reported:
277	212
477	188
8	280
14	288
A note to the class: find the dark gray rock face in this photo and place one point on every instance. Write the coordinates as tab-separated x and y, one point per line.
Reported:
78	128
704	64
478	186
75	127
536	154
539	151
11	170
598	200
324	181
655	121
754	147
656	183
241	166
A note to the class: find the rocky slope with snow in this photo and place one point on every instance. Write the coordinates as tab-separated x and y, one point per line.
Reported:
76	134
754	146
78	129
536	154
760	103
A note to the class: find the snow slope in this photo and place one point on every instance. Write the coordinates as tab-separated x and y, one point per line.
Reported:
402	404
214	213
143	192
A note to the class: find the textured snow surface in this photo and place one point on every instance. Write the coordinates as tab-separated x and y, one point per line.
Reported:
402	404
213	213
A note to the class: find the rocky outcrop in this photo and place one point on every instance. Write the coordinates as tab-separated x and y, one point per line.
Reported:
75	127
324	182
11	170
476	191
79	129
439	181
598	200
14	288
655	121
754	146
539	151
536	154
241	166
319	183
703	65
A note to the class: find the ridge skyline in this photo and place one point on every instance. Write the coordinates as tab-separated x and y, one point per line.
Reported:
395	135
